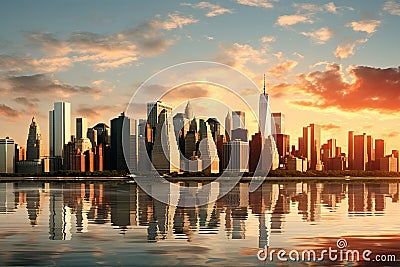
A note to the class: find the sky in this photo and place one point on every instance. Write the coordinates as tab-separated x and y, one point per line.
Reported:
334	63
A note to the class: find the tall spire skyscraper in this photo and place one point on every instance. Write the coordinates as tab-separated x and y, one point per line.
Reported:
264	114
33	144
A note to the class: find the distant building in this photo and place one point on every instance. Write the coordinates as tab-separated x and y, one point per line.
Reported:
228	126
208	153
120	143
360	152
350	153
388	163
103	133
240	134
165	155
279	120
379	151
34	149
283	145
81	128
238	160
396	155
59	127
296	164
255	146
7	155
238	120
311	145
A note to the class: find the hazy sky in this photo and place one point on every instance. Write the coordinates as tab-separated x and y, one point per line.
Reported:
335	63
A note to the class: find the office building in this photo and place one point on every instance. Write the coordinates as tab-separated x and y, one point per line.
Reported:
103	133
59	127
264	113
283	145
81	128
7	155
238	120
188	111
208	153
237	156
154	110
360	152
278	120
388	163
350	147
255	146
228	126
120	143
34	142
310	146
165	155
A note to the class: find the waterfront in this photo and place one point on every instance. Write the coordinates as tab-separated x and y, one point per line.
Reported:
108	224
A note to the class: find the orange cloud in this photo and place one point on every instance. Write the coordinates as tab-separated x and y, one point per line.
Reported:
346	50
320	36
329	88
288	20
368	26
330	126
174	21
282	68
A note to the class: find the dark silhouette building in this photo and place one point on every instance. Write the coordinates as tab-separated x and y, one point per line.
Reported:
120	143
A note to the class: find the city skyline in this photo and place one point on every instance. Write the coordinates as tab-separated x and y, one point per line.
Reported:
325	64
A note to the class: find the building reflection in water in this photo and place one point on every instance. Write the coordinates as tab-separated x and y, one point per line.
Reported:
73	207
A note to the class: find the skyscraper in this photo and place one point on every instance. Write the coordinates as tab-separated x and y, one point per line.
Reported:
379	149
81	128
351	150
34	142
238	120
120	143
208	153
59	128
228	126
7	155
103	133
311	146
165	155
154	110
188	111
279	121
264	114
360	152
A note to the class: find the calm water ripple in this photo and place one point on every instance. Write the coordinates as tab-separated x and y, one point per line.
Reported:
104	224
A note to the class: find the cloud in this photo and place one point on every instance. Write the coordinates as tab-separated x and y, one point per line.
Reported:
289	20
346	50
8	112
392	7
282	68
320	36
42	84
30	103
391	134
256	3
329	126
213	9
94	112
368	26
174	21
239	55
104	51
16	64
307	7
330	7
267	39
329	88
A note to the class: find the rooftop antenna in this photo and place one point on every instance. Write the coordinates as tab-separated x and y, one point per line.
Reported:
264	83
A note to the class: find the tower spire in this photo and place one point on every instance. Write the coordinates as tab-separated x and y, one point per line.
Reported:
264	83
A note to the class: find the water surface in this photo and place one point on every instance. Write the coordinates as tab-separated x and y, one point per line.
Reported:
117	224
